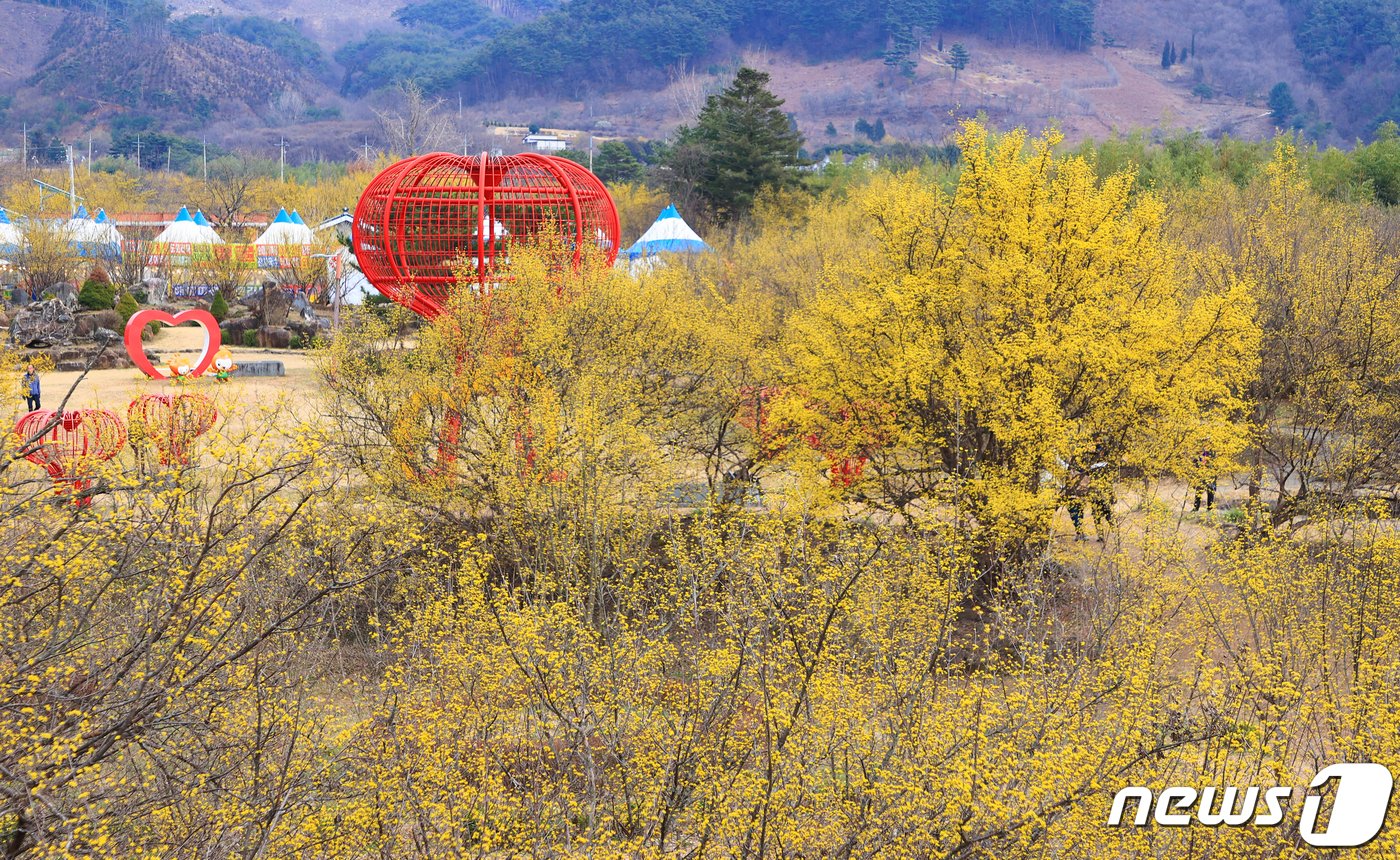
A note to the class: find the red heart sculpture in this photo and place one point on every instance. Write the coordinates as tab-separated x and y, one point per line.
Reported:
141	319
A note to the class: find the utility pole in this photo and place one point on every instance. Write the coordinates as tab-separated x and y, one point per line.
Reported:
72	186
24	159
204	155
590	153
138	155
366	149
282	160
167	158
89	161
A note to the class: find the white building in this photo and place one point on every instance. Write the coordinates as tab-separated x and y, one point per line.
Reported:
545	142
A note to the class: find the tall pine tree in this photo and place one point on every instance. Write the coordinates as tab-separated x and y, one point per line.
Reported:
741	144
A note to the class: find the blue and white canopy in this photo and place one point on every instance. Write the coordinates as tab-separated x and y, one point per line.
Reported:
206	229
94	237
11	239
284	231
668	234
182	230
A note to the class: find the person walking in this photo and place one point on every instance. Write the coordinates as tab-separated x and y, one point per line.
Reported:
29	388
1092	485
1205	479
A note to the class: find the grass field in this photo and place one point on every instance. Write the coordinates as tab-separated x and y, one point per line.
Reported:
114	389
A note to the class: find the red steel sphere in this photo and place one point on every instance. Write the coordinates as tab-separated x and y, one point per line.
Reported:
423	215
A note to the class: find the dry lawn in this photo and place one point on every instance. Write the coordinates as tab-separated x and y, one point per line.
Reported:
114	389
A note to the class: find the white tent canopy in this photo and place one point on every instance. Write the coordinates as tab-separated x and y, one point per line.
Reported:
93	237
346	278
11	239
80	227
206	229
284	231
182	230
668	234
104	231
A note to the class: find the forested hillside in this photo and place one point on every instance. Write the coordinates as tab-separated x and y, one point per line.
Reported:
1349	50
1328	68
602	43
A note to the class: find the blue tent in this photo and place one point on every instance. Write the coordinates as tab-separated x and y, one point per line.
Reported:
296	218
11	240
200	219
668	234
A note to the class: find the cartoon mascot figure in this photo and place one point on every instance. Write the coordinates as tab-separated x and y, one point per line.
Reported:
180	371
223	365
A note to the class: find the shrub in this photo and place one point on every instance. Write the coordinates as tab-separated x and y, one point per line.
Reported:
250	338
219	307
97	295
295	342
127	306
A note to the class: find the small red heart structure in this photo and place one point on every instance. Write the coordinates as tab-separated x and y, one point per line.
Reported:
141	319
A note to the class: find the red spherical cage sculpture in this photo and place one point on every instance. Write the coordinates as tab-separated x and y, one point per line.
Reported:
68	450
172	422
423	215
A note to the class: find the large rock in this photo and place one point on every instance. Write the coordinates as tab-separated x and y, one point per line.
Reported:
88	323
156	291
274	337
276	304
301	307
260	368
305	330
232	330
43	324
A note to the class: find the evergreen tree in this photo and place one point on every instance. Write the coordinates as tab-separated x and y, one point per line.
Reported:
863	127
830	129
958	58
218	308
741	144
1166	55
1281	104
877	133
1193	46
940	43
1173	54
616	163
127	306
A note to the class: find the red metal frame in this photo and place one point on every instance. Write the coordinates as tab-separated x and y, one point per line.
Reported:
420	215
172	422
77	441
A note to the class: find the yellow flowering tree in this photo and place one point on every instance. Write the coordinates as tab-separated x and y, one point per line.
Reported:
1032	319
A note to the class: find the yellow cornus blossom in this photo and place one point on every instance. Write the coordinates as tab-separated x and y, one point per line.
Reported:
1032	321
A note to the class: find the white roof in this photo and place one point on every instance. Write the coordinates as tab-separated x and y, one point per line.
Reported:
182	230
206	229
284	231
669	233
